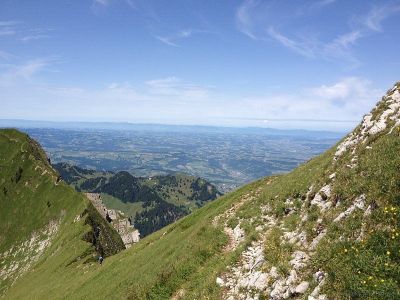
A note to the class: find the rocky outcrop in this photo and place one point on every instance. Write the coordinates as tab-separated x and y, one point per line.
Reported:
254	276
121	224
128	234
385	114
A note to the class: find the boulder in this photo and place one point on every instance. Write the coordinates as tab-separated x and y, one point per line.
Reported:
302	287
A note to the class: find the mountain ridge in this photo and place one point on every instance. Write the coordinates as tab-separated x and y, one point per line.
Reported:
327	230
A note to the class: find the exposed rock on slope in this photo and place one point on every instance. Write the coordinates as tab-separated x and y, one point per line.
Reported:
128	234
293	273
18	259
384	117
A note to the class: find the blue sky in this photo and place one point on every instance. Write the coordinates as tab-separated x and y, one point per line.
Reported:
285	64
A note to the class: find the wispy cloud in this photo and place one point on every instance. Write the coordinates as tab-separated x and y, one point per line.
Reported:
7	28
106	3
25	71
5	55
166	40
252	17
244	19
173	86
8	23
19	31
102	2
348	39
172	40
373	20
301	47
7	31
29	38
35	34
321	4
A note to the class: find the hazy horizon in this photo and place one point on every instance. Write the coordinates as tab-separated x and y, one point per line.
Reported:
25	123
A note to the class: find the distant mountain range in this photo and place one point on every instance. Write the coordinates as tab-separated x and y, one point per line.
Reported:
13	123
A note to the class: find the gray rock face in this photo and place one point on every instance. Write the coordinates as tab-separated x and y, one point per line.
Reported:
129	235
320	199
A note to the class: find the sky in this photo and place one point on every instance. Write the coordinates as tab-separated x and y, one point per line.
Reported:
319	64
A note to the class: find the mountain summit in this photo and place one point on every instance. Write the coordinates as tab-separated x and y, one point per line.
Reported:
327	230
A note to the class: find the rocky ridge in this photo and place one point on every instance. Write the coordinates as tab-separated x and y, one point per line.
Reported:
252	277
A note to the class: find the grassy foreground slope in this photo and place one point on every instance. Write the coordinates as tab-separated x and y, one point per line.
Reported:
327	230
43	219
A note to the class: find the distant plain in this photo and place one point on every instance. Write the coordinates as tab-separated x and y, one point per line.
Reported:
227	157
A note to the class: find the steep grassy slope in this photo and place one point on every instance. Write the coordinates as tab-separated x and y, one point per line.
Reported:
327	230
40	216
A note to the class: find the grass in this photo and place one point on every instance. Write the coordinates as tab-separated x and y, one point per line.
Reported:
128	208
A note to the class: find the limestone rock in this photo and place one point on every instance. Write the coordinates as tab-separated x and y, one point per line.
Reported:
302	287
220	281
299	259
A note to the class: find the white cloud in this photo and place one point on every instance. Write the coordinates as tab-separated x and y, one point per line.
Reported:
348	88
338	105
328	106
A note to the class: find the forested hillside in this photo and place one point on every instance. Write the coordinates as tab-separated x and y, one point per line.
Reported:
150	202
